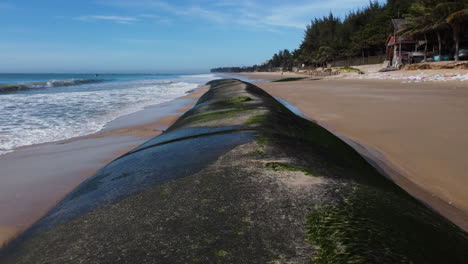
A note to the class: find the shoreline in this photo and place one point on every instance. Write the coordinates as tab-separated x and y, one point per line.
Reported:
219	180
398	150
398	175
371	72
54	169
394	173
83	156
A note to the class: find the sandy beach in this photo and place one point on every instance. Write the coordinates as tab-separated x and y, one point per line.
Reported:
416	131
413	130
35	178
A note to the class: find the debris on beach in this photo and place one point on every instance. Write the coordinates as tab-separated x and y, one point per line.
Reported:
441	65
421	77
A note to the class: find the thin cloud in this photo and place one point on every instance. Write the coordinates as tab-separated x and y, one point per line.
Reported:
157	18
4	5
230	3
271	17
137	41
211	15
115	19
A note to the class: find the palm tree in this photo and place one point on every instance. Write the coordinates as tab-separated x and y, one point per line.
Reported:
438	10
453	13
429	16
436	16
456	19
418	23
325	54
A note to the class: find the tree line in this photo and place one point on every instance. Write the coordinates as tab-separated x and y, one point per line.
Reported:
364	32
439	19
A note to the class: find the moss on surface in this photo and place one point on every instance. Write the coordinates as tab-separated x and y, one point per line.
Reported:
289	79
213	115
221	253
214	209
237	100
336	148
374	226
261	141
256	119
166	191
258	152
277	166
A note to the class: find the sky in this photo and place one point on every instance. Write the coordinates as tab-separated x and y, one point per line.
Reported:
149	36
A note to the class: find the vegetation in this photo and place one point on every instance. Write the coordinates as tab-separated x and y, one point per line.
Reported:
236	100
221	253
364	32
213	115
233	69
440	18
350	69
353	230
256	119
361	33
277	166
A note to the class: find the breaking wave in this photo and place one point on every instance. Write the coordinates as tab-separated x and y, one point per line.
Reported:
5	88
57	114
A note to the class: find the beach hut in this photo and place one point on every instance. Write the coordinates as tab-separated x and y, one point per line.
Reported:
399	48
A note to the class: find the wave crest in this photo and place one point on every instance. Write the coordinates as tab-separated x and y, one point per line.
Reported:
5	88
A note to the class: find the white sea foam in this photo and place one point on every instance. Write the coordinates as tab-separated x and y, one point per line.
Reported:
209	76
33	118
45	84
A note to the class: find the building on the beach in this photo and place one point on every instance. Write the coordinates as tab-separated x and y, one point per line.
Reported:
400	49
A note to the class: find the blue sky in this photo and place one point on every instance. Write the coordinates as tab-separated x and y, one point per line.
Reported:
152	35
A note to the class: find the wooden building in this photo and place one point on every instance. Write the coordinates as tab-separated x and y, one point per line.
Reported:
399	48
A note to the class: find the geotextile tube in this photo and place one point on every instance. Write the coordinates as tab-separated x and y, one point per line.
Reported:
240	179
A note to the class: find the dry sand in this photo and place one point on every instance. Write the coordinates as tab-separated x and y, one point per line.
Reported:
35	178
418	131
372	72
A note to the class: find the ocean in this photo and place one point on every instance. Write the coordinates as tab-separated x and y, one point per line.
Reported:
40	108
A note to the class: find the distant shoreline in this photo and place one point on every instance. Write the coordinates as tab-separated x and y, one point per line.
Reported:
371	71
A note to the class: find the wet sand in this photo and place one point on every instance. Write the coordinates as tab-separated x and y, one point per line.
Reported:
35	178
417	132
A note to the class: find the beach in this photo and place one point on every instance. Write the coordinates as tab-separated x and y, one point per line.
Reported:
34	178
414	130
231	181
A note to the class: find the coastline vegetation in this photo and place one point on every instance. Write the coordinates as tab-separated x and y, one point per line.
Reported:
427	19
350	69
364	32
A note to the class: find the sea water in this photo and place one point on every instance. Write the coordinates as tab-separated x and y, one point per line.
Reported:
39	108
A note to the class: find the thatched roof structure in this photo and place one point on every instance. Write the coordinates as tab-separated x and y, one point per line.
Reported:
395	39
